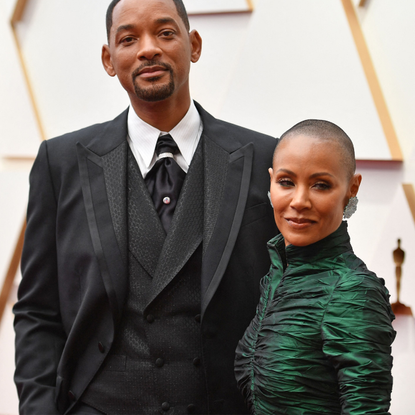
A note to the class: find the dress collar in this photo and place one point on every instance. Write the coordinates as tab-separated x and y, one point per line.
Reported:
331	246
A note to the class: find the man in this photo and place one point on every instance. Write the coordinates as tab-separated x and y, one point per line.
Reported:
126	307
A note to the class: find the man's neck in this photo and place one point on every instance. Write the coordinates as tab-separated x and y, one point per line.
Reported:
163	115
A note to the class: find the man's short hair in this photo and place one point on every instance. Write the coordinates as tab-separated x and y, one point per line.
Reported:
325	130
181	11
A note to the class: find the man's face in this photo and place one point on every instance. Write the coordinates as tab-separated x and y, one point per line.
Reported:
150	50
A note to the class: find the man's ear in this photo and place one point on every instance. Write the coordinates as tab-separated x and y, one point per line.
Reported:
196	45
107	61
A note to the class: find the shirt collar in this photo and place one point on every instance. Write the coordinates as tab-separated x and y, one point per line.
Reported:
186	134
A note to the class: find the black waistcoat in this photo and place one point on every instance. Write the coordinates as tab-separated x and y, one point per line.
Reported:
155	365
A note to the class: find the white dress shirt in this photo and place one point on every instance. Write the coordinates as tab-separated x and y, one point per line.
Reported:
142	138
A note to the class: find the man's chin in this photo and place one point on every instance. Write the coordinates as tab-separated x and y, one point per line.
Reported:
155	98
155	93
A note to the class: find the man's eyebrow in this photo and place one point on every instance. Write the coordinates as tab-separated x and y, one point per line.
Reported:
125	27
163	20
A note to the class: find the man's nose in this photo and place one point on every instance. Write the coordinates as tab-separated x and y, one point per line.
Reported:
149	48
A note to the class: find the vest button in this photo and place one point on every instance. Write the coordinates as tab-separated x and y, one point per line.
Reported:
191	409
150	318
196	361
197	318
71	396
160	362
101	347
165	406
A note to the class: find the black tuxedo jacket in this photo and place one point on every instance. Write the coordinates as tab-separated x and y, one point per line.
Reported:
75	275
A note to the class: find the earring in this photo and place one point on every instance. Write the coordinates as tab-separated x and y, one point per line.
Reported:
269	197
350	208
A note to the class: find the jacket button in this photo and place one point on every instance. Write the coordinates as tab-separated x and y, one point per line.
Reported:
197	318
101	347
165	406
160	362
150	318
191	409
196	361
71	396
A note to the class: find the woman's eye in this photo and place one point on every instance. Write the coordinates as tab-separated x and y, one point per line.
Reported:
285	182
321	186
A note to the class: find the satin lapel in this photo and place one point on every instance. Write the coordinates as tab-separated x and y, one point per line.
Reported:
146	232
227	179
115	173
108	243
186	230
216	165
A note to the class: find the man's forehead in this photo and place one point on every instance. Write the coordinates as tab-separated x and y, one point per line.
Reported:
150	9
122	5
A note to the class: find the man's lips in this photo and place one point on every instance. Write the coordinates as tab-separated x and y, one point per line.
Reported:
152	71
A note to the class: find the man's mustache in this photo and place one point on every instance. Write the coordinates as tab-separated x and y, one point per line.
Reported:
137	71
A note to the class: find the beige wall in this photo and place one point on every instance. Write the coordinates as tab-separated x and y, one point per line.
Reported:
288	60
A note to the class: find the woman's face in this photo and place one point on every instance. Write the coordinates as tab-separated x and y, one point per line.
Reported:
309	189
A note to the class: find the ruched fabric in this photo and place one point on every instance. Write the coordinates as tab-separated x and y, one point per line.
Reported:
320	342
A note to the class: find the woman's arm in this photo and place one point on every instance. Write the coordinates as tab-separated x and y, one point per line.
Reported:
357	336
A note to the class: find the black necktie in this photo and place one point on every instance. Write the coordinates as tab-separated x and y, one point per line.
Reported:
165	179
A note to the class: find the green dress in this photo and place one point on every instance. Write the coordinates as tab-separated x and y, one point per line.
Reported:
320	342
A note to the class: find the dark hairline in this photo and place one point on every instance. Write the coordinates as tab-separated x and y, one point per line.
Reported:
181	11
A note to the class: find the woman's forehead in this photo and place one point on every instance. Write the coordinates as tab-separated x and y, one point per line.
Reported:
310	145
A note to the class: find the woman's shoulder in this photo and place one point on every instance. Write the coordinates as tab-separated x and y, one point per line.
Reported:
353	271
362	300
358	285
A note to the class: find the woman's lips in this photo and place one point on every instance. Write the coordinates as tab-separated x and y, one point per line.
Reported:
299	223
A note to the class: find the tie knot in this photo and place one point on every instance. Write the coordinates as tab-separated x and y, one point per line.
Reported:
166	144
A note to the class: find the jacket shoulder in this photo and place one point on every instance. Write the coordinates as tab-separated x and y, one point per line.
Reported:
249	135
86	135
216	127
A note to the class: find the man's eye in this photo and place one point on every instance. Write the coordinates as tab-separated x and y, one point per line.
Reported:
167	33
127	39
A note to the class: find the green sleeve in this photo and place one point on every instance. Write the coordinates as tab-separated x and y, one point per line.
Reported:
357	335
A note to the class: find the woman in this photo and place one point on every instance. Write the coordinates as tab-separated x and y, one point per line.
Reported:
320	342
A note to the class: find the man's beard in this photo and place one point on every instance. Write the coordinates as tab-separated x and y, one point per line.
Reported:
153	92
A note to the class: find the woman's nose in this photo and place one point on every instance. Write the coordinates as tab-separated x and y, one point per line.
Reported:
300	199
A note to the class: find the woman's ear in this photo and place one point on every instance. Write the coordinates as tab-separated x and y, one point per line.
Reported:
354	185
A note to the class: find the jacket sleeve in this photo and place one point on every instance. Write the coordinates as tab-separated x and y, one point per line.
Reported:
39	333
357	336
